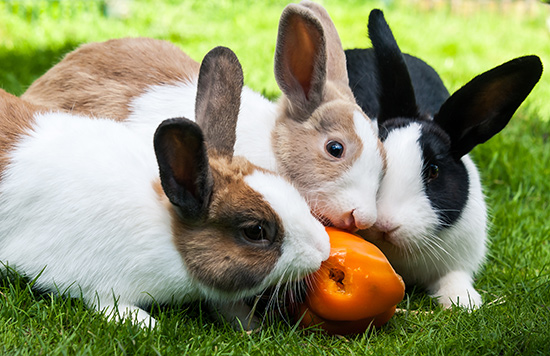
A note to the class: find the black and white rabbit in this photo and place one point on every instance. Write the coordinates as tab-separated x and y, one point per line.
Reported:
315	134
89	209
432	218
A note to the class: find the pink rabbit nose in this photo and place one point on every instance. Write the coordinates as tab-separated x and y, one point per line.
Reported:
353	221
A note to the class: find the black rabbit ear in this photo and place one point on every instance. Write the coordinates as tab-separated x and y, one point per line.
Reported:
485	105
396	96
218	99
185	173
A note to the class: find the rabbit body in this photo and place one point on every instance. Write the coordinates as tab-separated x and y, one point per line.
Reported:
422	244
105	225
89	209
316	135
432	217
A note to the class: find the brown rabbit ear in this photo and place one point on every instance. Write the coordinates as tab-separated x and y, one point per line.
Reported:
185	173
336	58
218	99
300	60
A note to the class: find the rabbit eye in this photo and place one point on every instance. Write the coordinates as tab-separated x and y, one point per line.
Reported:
433	172
257	234
334	148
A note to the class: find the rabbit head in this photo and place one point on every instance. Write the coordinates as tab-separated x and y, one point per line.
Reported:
322	140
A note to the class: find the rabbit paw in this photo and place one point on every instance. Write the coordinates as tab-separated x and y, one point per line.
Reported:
456	288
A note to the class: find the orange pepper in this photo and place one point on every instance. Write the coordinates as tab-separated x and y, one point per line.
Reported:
356	286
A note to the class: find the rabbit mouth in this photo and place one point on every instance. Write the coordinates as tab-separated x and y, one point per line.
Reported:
391	236
376	235
323	219
276	301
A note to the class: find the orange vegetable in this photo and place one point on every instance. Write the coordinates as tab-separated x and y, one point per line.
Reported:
354	287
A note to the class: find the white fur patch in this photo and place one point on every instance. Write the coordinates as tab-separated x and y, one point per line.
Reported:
159	103
256	123
77	205
254	126
306	243
355	190
402	204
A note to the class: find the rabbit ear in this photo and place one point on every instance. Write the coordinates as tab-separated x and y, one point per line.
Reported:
218	99
485	105
300	60
336	58
396	95
183	164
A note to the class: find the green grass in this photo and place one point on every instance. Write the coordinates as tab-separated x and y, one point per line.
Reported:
515	166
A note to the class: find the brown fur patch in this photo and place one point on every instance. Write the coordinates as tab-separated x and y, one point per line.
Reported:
214	249
16	117
301	147
335	90
101	79
157	188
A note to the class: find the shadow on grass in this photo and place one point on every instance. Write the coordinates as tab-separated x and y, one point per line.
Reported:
21	66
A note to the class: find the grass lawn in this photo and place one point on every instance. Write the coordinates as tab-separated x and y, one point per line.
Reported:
515	166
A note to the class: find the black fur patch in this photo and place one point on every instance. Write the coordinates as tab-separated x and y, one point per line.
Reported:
448	192
363	75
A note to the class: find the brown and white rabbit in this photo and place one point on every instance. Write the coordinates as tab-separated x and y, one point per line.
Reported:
432	218
315	134
88	209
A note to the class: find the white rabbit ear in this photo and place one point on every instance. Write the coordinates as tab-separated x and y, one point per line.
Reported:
300	60
185	173
396	95
218	99
485	105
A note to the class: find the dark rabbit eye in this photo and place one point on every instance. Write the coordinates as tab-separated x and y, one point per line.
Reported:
433	172
335	148
258	234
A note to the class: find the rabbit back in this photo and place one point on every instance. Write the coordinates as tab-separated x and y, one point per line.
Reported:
102	78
